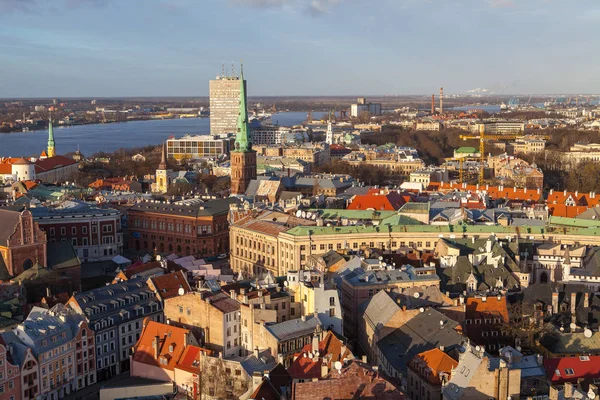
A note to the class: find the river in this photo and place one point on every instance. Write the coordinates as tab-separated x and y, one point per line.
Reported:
110	137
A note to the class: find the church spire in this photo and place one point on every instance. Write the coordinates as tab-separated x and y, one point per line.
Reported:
243	141
51	151
163	160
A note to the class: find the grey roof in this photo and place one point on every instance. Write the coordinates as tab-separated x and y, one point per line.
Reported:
118	303
193	209
592	213
529	365
71	207
9	219
224	302
380	309
293	328
361	277
62	255
461	379
44	331
19	349
264	361
528	222
421	333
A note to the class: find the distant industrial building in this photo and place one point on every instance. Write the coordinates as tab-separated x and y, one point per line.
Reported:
194	147
224	104
362	106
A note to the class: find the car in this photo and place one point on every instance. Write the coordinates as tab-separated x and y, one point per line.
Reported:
222	256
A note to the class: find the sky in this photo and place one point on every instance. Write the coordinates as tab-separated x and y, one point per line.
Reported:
115	48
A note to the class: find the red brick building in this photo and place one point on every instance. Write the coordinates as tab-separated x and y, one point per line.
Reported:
22	242
189	227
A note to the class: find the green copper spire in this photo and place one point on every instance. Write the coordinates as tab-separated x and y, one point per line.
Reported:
51	151
243	141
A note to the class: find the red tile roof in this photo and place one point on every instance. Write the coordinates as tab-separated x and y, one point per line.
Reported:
168	285
48	164
495	192
307	366
391	201
570	369
352	382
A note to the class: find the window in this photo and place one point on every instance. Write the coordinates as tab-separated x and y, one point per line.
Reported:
84	230
569	371
73	230
332	301
63	231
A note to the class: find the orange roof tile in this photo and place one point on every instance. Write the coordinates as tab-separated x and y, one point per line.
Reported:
579	199
391	201
171	344
491	306
562	210
190	357
436	361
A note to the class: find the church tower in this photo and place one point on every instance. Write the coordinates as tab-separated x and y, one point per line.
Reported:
163	175
243	158
51	151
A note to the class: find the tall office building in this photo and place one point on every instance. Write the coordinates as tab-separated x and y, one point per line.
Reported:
224	104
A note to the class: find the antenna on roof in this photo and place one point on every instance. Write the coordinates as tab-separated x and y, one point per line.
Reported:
222	70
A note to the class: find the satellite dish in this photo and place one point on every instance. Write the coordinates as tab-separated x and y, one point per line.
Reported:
588	333
416	295
591	395
380	258
309	215
573	326
518	348
310	355
303	214
181	291
314	217
478	348
337	365
421	310
286	283
158	258
299	213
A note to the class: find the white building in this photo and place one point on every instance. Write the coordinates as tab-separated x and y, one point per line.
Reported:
362	106
277	135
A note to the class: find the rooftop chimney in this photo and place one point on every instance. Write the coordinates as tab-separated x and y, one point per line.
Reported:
156	345
441	100
554	302
586	300
568	390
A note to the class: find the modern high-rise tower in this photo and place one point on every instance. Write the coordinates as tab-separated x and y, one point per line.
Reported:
224	101
243	158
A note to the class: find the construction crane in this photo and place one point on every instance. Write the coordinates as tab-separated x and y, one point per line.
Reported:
482	137
461	162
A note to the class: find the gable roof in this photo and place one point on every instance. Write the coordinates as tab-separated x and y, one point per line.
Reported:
391	201
571	369
10	219
331	349
171	344
355	381
168	285
436	362
48	164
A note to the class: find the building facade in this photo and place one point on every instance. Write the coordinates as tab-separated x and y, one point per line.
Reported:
189	227
224	103
200	146
115	313
94	232
22	242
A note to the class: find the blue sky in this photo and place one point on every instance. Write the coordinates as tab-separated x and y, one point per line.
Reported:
60	48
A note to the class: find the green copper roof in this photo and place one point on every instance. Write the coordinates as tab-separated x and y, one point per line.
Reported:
243	142
50	133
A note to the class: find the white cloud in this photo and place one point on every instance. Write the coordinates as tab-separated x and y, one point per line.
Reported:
313	7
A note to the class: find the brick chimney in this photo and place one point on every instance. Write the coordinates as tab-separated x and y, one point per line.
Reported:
156	346
586	300
573	303
555	302
568	393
